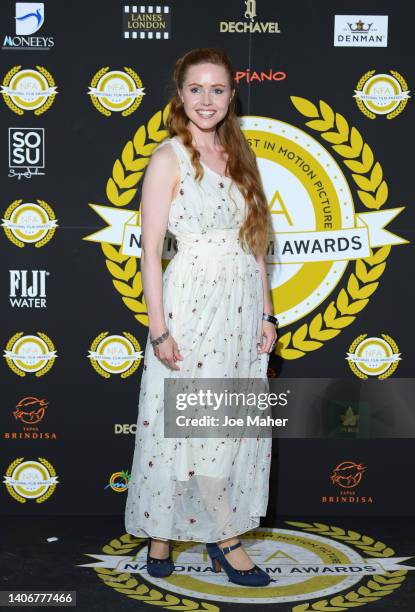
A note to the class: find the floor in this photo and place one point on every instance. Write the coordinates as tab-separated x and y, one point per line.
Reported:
30	562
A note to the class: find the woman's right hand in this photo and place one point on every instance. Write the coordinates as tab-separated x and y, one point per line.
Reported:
168	352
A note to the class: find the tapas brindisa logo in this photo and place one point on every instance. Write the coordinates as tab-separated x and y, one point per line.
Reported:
28	90
322	248
335	568
382	94
118	91
29	223
30	354
28	480
113	354
373	356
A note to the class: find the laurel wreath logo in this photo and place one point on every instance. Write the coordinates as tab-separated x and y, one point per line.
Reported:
121	189
377	587
372	190
49	363
22	499
48	236
19	111
388	372
397	110
373	193
95	100
104	373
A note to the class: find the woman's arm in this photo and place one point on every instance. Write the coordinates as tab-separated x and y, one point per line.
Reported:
268	306
161	179
268	335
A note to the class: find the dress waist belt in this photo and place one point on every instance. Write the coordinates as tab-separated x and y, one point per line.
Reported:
215	243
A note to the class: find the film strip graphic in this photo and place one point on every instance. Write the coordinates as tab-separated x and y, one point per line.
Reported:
146	22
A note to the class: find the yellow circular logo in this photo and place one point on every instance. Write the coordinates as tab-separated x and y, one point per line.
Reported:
28	90
29	223
381	94
115	354
310	561
26	480
30	354
373	356
118	91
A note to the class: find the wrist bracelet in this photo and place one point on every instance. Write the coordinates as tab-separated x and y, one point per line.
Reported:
271	318
160	339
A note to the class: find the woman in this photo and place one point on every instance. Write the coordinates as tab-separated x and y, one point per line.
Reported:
210	316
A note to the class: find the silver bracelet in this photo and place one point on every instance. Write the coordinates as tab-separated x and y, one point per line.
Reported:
160	339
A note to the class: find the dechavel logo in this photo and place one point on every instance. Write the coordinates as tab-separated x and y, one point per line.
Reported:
29	17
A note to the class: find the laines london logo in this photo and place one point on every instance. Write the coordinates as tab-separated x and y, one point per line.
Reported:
313	566
146	22
116	91
27	223
30	354
373	356
251	24
29	19
30	480
115	354
28	89
118	481
381	94
320	235
347	476
361	31
28	288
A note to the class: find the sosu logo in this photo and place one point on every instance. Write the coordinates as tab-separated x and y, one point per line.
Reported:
26	151
28	288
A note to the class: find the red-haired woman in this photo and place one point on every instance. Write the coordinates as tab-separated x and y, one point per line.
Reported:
210	316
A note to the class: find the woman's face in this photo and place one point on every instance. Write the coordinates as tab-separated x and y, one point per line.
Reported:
206	94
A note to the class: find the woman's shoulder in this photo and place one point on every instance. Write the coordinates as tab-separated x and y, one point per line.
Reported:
164	158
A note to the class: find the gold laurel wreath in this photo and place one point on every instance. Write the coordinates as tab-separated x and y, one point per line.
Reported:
95	100
49	363
388	372
121	189
22	499
133	588
96	365
49	234
366	111
20	111
373	192
377	587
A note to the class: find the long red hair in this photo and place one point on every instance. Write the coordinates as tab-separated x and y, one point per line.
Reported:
241	165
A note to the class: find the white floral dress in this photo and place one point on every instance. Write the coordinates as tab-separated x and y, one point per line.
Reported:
202	489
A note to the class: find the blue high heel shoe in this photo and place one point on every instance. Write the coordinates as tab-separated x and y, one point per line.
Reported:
159	568
253	576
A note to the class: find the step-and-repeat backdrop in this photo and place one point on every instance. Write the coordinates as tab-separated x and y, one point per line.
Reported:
326	104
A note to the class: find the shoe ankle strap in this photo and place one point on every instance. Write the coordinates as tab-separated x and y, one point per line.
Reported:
228	549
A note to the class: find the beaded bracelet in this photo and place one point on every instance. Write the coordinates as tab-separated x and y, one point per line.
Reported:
160	339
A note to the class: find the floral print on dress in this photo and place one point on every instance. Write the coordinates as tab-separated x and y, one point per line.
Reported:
193	489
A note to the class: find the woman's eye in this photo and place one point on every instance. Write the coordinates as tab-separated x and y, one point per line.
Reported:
218	91
194	89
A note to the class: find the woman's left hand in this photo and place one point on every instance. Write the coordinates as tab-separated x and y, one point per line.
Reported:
270	333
